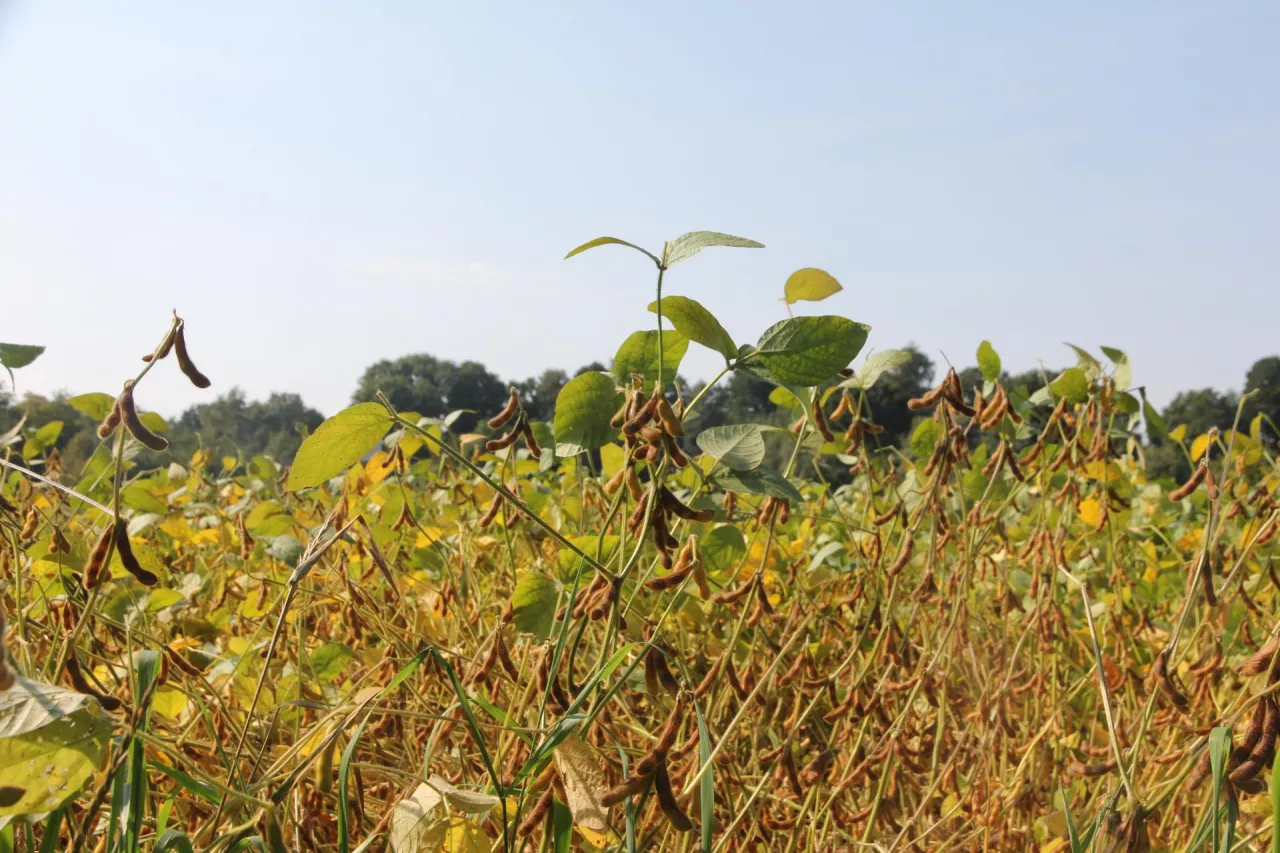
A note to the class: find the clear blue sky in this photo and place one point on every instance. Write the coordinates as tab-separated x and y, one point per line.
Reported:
316	185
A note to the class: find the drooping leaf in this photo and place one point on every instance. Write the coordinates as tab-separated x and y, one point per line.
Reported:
1122	375
807	351
584	783
759	481
606	241
13	356
687	245
809	284
875	366
639	355
416	821
337	444
737	446
52	763
471	802
697	324
534	603
584	407
1156	427
988	361
30	705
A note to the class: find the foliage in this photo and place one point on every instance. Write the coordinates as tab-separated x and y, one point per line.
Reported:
693	635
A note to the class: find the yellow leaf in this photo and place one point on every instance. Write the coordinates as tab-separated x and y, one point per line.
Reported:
1090	512
229	463
209	536
465	837
1199	446
1189	541
169	702
177	528
376	469
1178	433
810	284
598	840
428	536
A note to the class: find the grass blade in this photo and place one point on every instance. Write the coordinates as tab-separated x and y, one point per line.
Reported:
708	791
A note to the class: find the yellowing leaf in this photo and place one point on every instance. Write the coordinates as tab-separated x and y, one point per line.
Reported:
1090	512
1178	433
584	782
376	469
170	702
1199	446
810	284
177	528
428	536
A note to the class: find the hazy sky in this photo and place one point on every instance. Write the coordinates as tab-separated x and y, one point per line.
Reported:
316	186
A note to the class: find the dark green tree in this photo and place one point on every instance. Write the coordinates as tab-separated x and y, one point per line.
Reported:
232	424
434	387
1264	377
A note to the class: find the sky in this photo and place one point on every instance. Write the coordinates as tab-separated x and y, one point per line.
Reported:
315	186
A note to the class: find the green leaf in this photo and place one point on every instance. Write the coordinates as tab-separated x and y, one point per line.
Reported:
707	785
48	434
639	354
568	562
697	324
1071	383
173	841
52	763
687	245
561	827
1219	747
808	351
534	603
759	481
95	404
737	446
1157	429
988	361
722	548
30	705
13	356
1085	359
1123	373
328	660
875	366
784	398
606	241
924	438
584	407
337	444
153	422
809	284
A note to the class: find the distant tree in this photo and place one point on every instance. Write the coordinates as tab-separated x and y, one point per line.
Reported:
539	394
1264	377
433	387
1201	409
232	424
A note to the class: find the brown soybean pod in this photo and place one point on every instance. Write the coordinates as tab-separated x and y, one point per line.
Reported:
112	420
97	562
120	533
81	684
185	363
129	414
667	799
508	411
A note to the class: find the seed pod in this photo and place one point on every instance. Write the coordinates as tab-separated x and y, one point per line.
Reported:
29	525
633	484
674	452
1166	682
1190	486
112	420
246	541
164	350
650	433
530	442
1205	570
1261	659
820	420
81	684
615	482
915	404
667	799
180	661
506	439
129	415
667	416
58	543
185	363
904	555
627	788
889	515
492	513
508	411
97	562
643	416
120	534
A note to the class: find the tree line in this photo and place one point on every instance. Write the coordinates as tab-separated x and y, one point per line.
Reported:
434	387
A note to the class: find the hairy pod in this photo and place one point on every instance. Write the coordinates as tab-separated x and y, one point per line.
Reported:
94	567
120	536
185	363
537	814
30	524
129	415
110	422
492	512
667	799
81	684
1197	477
507	412
1261	659
629	787
667	416
820	420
